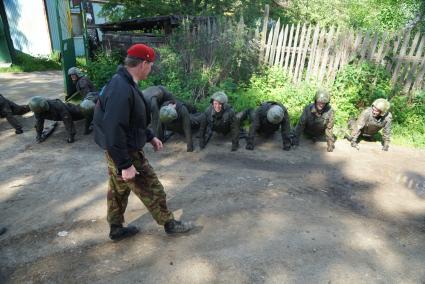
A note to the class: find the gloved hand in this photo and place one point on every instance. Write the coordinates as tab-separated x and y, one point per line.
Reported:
331	147
385	147
355	145
249	146
189	148
202	144
39	138
287	147
295	141
70	139
235	147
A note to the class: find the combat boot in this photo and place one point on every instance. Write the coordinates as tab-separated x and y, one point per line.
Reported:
19	131
177	227
118	232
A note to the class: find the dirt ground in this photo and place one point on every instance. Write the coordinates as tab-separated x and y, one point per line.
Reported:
263	216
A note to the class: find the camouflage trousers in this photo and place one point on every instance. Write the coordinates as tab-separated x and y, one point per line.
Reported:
146	186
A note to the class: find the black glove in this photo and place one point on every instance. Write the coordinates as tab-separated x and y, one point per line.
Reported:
355	145
202	144
39	138
189	148
287	147
385	147
249	146
235	147
70	139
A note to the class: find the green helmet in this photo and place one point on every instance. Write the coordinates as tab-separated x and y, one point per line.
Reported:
220	97
38	104
383	105
275	114
167	114
75	71
322	96
87	106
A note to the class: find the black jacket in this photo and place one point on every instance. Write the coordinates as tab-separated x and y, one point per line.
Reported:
121	119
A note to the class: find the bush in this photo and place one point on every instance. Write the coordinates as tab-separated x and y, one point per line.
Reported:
101	70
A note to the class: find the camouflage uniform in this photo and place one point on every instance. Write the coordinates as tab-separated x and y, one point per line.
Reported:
260	124
145	186
222	122
367	126
84	86
155	96
8	109
184	124
315	124
60	111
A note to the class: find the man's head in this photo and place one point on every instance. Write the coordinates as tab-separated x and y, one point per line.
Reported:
139	61
321	99
275	114
38	104
168	113
380	107
218	99
75	73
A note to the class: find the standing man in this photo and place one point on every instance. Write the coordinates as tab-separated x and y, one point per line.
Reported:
317	120
120	123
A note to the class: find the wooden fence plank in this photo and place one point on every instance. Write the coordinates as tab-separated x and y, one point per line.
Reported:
312	52
294	50
274	42
318	55
264	33
279	47
300	53
288	48
365	46
393	51
408	64
324	64
370	54
269	44
285	42
378	56
419	76
304	51
414	68
402	52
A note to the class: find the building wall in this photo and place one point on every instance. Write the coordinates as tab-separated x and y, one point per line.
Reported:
28	26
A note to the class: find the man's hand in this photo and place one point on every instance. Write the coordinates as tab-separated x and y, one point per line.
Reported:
39	138
129	174
385	147
156	144
355	145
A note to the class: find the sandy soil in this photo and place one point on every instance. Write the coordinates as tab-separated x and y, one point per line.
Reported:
266	216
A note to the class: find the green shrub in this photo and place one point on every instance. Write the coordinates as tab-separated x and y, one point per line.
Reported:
27	63
101	70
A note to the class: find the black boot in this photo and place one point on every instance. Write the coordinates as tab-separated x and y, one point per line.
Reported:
118	232
176	227
19	131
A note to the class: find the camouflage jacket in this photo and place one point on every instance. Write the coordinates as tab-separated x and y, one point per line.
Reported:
260	124
84	86
154	97
368	125
59	111
222	122
316	124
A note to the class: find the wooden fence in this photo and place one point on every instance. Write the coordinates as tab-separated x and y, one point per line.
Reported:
310	52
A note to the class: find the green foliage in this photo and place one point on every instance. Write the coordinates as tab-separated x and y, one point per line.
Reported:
102	68
27	63
356	87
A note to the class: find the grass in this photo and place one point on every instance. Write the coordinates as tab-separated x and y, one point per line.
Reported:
27	63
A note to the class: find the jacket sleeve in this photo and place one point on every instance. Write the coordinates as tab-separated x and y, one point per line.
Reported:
187	128
330	126
285	129
117	120
67	121
359	125
387	129
255	125
156	125
301	123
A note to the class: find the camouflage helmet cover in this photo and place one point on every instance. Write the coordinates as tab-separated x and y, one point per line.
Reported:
87	106
275	114
167	114
322	96
75	71
383	105
220	97
38	104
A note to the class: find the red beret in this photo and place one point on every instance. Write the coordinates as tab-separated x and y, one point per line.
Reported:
141	51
